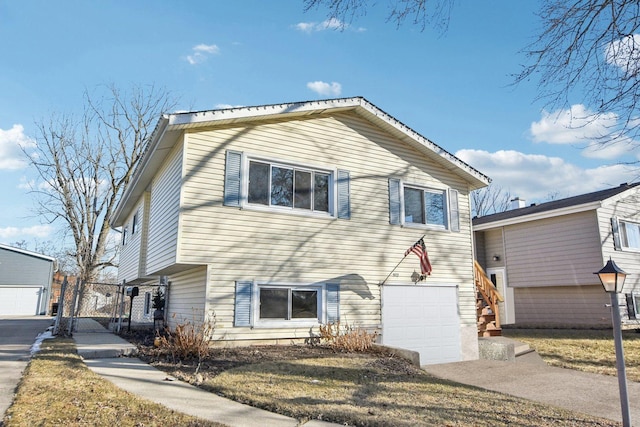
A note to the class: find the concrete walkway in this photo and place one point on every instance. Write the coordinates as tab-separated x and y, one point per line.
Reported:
101	351
591	394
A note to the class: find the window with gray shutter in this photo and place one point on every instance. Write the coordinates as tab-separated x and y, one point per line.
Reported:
344	198
243	310
394	201
454	212
232	178
333	302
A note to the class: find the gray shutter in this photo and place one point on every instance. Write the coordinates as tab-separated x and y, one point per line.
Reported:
615	230
244	292
454	213
232	178
344	202
394	201
333	302
631	310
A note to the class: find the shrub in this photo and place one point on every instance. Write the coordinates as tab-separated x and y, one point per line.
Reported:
348	338
189	339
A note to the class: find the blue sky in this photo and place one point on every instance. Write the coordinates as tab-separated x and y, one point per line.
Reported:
453	88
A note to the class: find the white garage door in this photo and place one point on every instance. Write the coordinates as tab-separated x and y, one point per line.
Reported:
19	301
423	319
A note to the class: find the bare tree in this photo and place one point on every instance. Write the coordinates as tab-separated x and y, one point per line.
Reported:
489	200
589	50
434	13
84	165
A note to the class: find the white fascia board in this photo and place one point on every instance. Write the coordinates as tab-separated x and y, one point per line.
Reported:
132	192
538	216
262	111
26	252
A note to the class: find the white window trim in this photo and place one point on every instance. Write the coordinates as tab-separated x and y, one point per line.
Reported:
333	184
445	192
293	323
623	237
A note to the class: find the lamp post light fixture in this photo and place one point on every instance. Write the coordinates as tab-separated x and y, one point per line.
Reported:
612	278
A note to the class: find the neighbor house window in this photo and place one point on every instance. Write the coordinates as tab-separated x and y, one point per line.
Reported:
414	205
287	186
630	235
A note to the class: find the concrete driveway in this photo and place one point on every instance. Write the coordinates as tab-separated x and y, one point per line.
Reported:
17	334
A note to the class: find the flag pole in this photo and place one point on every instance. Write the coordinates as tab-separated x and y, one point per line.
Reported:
398	264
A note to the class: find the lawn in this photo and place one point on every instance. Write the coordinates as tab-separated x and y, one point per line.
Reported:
584	350
58	389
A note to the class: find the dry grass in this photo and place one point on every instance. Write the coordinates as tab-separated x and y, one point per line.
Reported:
58	389
583	350
367	390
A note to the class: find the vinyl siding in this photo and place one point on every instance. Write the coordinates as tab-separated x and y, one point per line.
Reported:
164	211
492	244
246	244
562	306
130	253
626	207
560	251
18	269
187	297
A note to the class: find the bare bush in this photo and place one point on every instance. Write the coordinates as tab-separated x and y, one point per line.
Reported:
189	339
349	338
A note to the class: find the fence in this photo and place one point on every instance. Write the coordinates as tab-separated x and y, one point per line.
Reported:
113	306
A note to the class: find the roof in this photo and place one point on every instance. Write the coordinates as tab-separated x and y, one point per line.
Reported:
28	253
580	203
171	126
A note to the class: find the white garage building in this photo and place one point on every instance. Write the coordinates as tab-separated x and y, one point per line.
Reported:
25	281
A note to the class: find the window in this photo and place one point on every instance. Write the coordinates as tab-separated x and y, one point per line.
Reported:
414	205
280	305
134	223
274	185
259	183
626	235
630	235
424	207
147	303
288	303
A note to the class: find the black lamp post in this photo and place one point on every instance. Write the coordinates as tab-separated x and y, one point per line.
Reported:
612	278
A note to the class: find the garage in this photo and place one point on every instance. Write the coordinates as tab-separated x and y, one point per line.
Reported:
20	301
422	318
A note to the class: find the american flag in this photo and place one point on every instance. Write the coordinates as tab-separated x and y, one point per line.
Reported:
421	251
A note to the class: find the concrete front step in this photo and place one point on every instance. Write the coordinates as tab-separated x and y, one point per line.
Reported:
507	349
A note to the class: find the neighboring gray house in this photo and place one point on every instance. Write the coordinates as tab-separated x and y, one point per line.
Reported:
25	281
280	218
542	257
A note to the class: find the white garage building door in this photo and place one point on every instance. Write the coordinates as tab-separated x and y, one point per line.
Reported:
23	301
423	319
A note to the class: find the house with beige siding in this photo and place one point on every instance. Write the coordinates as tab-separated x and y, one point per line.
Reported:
277	219
542	257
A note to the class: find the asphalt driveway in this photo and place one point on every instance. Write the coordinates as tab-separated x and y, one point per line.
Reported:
17	334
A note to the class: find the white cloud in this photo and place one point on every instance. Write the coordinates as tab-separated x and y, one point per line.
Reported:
226	106
12	142
598	135
326	89
625	54
201	52
26	184
39	231
534	176
329	24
